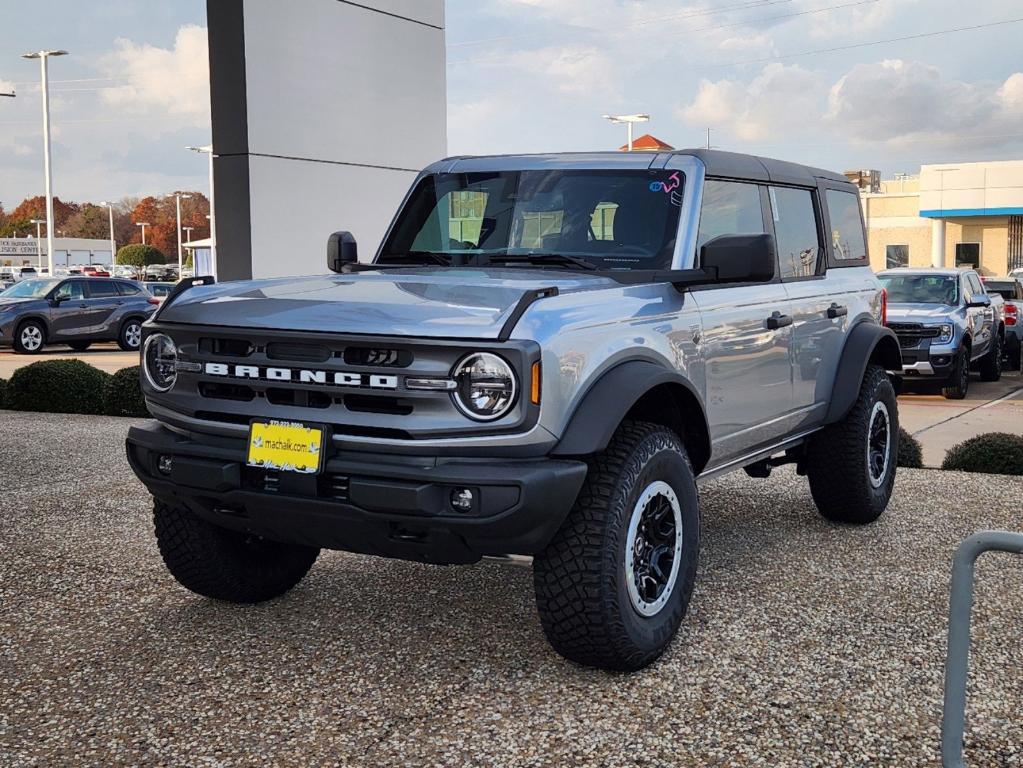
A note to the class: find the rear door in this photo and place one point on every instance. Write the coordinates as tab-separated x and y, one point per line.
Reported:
104	301
748	373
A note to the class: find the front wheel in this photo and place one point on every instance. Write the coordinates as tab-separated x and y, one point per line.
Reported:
958	383
131	336
613	585
223	564
851	464
30	337
991	363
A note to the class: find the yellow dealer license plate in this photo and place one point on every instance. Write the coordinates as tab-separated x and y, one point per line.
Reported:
286	446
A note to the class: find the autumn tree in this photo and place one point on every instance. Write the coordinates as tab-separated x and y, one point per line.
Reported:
90	221
35	208
161	215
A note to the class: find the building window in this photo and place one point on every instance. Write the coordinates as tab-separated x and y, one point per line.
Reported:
1015	260
968	255
896	256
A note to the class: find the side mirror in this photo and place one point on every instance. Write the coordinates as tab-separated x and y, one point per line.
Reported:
979	301
740	258
56	299
341	251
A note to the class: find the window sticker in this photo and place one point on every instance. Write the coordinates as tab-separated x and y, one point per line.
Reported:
669	188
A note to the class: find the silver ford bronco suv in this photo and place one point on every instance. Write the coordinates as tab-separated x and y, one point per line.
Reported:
544	358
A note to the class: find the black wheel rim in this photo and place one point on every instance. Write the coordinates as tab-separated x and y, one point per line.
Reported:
879	441
653	548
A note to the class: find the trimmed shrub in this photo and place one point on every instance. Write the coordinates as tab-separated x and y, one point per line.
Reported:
122	395
138	255
996	453
57	386
3	393
911	456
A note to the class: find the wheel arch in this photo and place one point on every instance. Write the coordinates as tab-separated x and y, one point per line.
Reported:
641	391
41	319
867	343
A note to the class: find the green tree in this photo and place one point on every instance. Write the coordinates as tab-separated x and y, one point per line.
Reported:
138	255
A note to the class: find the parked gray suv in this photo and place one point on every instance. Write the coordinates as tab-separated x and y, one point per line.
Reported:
76	311
544	358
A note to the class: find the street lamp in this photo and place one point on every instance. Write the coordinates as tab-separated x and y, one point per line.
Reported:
179	197
39	243
143	224
213	216
629	120
44	57
113	246
10	95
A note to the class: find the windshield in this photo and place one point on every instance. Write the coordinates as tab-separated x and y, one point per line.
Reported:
30	289
922	289
605	219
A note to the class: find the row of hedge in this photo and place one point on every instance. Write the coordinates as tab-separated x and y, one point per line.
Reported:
73	386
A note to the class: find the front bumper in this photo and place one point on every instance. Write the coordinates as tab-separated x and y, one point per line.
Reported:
933	362
388	505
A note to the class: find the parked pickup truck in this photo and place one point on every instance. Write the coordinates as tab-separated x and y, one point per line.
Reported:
1011	291
544	356
947	325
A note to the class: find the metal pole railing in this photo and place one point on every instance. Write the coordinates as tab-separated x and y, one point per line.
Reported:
957	664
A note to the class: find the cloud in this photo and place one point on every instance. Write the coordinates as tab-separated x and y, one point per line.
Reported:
174	82
781	99
899	101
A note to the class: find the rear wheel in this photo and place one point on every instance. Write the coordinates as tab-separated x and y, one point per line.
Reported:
614	583
851	464
959	382
991	363
79	346
223	564
30	337
131	335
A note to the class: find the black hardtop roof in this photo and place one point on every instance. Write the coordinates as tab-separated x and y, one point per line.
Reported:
738	166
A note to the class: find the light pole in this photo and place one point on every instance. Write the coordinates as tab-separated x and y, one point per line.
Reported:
213	216
113	245
142	224
629	120
39	243
44	57
179	198
10	95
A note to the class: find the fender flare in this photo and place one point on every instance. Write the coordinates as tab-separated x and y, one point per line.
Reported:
866	342
609	400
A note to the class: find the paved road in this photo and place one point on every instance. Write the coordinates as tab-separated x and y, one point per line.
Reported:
106	356
807	644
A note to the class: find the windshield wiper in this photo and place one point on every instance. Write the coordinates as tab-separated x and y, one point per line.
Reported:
558	259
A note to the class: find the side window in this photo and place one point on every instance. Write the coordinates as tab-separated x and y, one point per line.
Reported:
846	226
795	228
729	208
101	289
896	256
127	289
71	290
975	286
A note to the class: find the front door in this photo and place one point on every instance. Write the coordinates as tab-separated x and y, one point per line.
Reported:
746	335
70	318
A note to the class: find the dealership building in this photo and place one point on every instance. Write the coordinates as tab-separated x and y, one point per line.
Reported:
955	214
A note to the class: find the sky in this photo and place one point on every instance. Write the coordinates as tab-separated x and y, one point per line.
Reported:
842	84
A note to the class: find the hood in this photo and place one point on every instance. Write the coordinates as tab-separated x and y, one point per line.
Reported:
920	313
441	302
9	303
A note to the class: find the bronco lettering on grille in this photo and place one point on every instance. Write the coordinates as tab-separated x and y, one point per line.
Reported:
302	376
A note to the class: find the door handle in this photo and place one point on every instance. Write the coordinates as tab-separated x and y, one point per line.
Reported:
83	306
837	311
778	320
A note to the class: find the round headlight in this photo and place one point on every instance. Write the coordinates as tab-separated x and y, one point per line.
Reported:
486	386
159	362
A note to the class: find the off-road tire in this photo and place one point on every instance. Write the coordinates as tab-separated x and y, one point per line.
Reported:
837	463
223	564
581	590
79	346
958	383
130	329
21	348
991	364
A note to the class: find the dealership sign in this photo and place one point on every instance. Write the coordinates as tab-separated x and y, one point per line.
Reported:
21	246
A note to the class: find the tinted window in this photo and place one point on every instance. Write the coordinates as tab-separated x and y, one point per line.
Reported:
795	229
1007	289
99	289
729	208
846	226
127	289
72	289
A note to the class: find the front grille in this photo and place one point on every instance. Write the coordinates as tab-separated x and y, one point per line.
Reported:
912	334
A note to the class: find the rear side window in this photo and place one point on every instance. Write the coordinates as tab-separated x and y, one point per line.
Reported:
99	289
729	208
795	229
127	289
846	226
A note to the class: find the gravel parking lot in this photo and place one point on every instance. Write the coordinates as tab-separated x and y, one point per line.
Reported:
807	644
